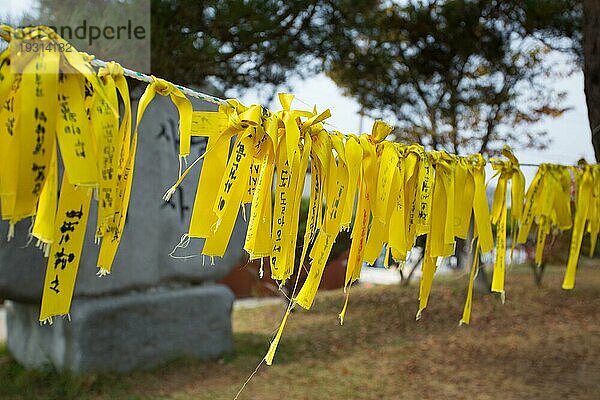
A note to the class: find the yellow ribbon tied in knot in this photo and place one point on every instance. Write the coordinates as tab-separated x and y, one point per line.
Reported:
586	212
508	171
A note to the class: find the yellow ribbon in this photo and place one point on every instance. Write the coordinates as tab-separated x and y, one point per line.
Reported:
65	252
233	184
326	237
258	237
112	238
112	140
584	198
37	120
508	170
9	141
43	227
218	127
442	219
482	231
400	191
353	162
397	240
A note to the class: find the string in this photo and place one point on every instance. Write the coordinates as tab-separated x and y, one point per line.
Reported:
148	79
217	100
324	122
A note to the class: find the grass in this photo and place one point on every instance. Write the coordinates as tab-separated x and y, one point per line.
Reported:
543	343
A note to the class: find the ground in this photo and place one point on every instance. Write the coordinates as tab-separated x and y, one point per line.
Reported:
543	343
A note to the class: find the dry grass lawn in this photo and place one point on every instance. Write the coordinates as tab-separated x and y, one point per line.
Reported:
542	344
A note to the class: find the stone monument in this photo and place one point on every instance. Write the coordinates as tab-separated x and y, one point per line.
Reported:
152	307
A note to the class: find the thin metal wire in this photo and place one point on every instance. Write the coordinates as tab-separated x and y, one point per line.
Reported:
146	78
185	90
528	165
539	165
214	99
324	122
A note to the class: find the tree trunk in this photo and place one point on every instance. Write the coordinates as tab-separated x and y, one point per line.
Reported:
591	69
538	273
462	254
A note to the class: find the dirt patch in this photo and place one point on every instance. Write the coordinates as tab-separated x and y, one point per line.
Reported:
542	344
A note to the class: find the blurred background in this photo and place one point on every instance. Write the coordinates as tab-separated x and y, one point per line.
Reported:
465	76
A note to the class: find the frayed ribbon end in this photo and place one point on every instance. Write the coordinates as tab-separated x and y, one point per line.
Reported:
419	315
11	232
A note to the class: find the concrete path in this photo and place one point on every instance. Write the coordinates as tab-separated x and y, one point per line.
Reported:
2	324
379	276
255	302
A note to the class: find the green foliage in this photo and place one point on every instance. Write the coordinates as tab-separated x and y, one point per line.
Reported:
459	75
244	43
230	43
